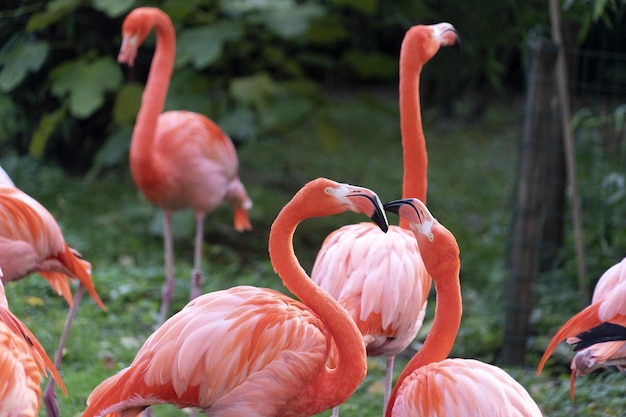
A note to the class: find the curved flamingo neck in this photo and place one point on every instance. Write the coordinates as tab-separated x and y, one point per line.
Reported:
334	386
142	165
443	264
415	157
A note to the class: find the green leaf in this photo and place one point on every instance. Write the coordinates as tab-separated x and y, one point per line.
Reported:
23	57
47	124
85	83
203	45
364	6
55	10
113	152
371	65
254	89
113	8
127	103
290	22
327	132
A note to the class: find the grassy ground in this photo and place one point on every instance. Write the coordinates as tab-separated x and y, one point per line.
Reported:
471	182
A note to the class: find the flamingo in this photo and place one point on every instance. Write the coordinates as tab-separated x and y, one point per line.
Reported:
599	331
31	241
178	159
430	384
254	351
387	294
23	361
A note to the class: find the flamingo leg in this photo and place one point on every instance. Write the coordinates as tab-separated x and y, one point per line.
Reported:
50	396
335	412
388	381
196	274
168	247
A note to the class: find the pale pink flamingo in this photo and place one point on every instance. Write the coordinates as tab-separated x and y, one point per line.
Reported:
23	361
178	159
31	241
431	385
386	293
250	351
598	332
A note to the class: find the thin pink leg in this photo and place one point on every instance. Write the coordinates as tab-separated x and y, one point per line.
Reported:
196	274
388	381
168	287
50	396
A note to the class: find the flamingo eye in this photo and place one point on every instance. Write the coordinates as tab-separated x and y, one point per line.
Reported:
328	190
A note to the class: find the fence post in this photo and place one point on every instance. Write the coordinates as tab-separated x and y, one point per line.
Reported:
540	154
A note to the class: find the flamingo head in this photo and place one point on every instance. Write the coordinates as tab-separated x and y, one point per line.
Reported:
438	246
324	197
135	29
427	39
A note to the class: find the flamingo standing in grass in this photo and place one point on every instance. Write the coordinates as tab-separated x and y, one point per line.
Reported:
23	361
432	385
178	159
598	332
250	351
31	241
386	294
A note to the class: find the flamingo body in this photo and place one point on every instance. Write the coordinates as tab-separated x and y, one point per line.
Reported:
387	295
201	163
598	331
33	242
253	351
432	385
178	159
368	272
268	343
466	387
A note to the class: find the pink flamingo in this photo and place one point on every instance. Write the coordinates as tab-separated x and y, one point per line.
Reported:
386	294
253	351
599	331
31	241
23	361
178	159
432	385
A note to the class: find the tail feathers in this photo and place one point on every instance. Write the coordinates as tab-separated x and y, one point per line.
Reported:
41	356
581	322
605	332
59	283
116	396
81	269
242	221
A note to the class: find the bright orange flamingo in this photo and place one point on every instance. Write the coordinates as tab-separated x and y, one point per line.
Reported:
178	159
31	241
23	361
250	351
598	332
432	385
386	294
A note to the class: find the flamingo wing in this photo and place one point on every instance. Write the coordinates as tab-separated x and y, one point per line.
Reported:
245	348
463	387
380	279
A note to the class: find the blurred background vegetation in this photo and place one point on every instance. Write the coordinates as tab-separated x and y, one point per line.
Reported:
305	89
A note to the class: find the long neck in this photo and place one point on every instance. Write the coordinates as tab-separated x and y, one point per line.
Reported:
448	311
415	180
333	386
153	99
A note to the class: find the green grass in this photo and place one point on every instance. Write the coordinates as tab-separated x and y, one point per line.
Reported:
472	173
